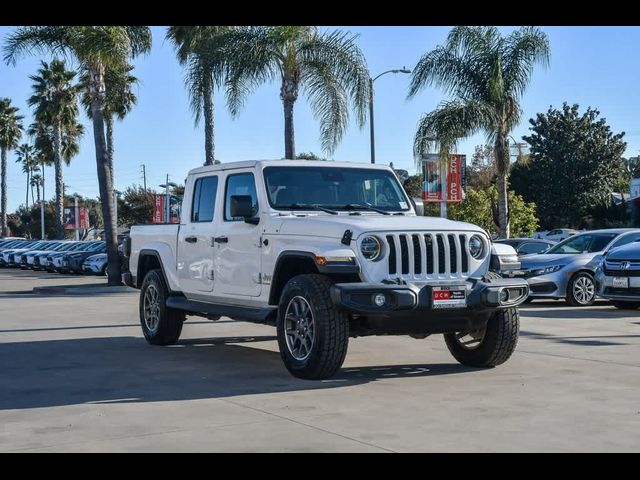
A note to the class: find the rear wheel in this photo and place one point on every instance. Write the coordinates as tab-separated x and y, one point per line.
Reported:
160	325
488	346
581	290
312	335
622	305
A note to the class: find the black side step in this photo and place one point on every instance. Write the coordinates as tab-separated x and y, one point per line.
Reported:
259	315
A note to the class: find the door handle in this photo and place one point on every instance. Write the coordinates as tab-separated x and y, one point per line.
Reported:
222	239
191	239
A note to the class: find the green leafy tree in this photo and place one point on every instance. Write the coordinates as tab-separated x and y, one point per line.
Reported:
329	68
119	101
95	48
28	160
308	156
480	207
573	166
55	103
136	206
10	133
482	172
413	186
486	74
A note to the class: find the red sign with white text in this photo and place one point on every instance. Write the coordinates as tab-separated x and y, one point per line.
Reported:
432	173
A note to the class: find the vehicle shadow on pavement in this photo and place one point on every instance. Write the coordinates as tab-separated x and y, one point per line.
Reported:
125	369
587	341
576	313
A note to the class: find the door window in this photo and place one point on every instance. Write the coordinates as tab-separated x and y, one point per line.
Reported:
204	199
240	184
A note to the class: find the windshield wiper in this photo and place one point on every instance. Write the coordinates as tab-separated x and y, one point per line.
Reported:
357	206
304	206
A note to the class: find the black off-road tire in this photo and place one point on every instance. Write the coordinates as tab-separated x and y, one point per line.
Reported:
169	325
623	305
571	299
499	341
331	327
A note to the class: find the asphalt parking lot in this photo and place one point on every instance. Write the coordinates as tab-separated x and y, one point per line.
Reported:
77	375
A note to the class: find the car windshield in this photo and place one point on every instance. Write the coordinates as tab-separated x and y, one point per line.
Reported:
335	188
585	243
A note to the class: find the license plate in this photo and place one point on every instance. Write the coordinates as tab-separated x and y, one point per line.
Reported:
449	297
620	282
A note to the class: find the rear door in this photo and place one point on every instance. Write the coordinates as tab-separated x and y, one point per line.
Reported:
195	252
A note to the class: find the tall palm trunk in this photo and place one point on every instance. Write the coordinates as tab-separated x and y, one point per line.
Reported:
97	92
27	199
57	161
31	184
289	95
209	132
108	121
3	201
502	162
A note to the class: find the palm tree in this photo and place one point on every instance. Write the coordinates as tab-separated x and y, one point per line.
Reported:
10	133
96	48
37	181
119	101
55	101
195	48
486	74
26	154
329	67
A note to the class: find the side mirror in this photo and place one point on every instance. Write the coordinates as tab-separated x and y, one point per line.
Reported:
418	205
242	207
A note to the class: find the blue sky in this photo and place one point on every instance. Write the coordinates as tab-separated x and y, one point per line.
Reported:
591	66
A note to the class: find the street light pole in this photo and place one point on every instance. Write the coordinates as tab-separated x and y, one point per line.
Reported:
371	122
167	198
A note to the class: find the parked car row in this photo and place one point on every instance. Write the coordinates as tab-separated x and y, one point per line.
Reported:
602	263
62	256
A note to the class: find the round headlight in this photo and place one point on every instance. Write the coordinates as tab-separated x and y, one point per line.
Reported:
476	247
371	248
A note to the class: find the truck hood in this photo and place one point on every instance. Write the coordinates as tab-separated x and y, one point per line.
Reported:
334	226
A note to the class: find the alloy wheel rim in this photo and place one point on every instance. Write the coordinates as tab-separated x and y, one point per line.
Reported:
472	339
299	328
583	290
151	307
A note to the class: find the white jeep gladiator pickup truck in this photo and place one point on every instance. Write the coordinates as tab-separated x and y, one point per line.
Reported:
324	251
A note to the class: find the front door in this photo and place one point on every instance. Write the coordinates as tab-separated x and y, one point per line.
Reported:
237	243
195	251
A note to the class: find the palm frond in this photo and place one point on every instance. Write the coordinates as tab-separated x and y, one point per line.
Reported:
523	49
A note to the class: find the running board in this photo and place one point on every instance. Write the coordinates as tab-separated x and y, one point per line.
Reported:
203	309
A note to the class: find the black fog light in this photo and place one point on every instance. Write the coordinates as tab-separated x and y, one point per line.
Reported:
380	300
504	296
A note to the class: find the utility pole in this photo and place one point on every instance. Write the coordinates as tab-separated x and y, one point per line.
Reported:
444	165
75	207
167	201
144	176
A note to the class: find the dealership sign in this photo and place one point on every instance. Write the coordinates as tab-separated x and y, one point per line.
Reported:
70	218
433	173
160	208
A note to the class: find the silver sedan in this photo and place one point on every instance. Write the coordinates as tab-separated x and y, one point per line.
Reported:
567	269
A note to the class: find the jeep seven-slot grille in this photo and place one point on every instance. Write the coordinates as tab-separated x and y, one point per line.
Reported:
420	254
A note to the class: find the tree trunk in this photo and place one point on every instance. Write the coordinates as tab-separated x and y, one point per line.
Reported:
31	185
209	132
3	200
108	121
97	93
289	94
503	164
27	199
57	161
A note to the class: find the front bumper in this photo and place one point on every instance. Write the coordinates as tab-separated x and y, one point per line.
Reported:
410	308
605	288
552	285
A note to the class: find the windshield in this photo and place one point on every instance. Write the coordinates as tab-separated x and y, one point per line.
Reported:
336	188
585	243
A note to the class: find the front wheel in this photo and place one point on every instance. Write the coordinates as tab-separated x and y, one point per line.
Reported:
581	290
160	325
312	335
622	305
488	346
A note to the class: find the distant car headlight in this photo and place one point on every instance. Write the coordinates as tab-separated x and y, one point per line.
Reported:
547	270
476	247
371	248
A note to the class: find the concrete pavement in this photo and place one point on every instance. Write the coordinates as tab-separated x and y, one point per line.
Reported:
78	376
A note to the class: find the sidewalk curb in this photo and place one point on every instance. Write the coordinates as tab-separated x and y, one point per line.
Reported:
61	291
